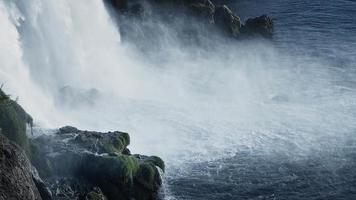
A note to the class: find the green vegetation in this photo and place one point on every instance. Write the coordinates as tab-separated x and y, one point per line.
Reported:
13	121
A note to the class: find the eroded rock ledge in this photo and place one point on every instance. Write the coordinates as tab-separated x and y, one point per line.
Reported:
193	16
76	163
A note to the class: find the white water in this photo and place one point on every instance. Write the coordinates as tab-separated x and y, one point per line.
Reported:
183	107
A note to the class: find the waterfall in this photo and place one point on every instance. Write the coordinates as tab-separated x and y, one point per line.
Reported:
66	63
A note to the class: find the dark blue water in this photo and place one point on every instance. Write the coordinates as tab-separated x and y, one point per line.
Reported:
321	29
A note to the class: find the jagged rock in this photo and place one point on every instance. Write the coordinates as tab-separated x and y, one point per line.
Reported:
68	189
262	26
13	121
227	21
42	188
97	159
16	180
204	9
68	129
194	13
95	194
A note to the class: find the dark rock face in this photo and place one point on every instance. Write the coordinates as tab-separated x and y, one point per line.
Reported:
16	179
95	160
227	21
204	9
196	19
262	26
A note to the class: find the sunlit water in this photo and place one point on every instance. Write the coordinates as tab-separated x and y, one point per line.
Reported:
250	120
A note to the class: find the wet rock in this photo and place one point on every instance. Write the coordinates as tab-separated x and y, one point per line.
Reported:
68	129
227	21
43	189
204	9
194	13
194	17
95	194
13	121
15	173
98	160
260	26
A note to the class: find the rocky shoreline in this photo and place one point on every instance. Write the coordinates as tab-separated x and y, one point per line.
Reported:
200	23
214	13
70	163
87	165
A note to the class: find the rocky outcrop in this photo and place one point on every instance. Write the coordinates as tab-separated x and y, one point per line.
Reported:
96	160
204	9
70	163
227	21
198	12
13	121
262	25
16	177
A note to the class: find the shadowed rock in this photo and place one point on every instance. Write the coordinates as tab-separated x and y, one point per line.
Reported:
227	21
16	180
262	26
96	159
194	13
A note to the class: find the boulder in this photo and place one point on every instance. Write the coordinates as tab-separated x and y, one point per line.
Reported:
227	21
259	26
16	179
14	120
96	159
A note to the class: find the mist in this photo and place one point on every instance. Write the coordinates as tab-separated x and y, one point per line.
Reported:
68	65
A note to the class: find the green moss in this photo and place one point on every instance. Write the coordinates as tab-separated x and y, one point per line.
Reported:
145	175
129	166
157	161
109	148
125	138
116	144
94	196
4	98
13	121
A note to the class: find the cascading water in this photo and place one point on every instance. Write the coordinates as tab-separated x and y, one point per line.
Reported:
198	111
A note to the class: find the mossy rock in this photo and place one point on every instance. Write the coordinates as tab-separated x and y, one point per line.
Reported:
147	181
157	161
117	143
146	175
123	176
95	195
110	142
101	159
129	167
13	121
